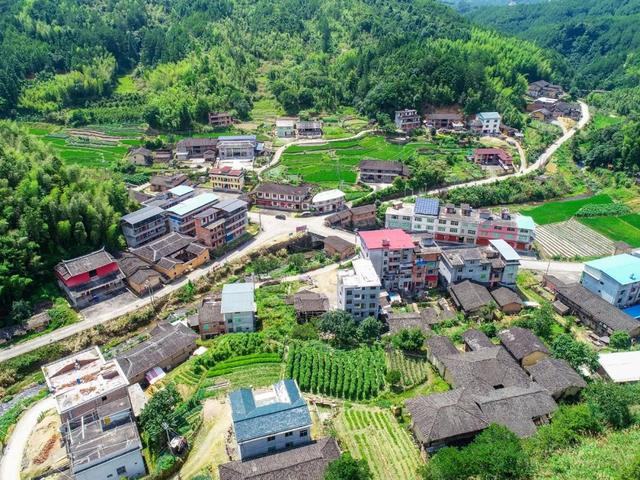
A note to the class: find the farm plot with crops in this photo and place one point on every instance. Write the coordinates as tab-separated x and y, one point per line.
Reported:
374	434
624	229
354	374
413	369
553	212
572	239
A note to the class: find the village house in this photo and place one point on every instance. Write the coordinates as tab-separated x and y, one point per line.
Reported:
286	127
328	201
90	278
616	279
556	377
507	300
181	217
398	321
309	129
196	148
173	255
210	318
227	179
238	307
542	102
307	462
407	120
308	304
382	171
283	197
269	420
444	120
474	339
144	225
338	246
359	290
220	119
222	223
487	123
240	148
542	115
140	276
171	197
162	155
425	271
167	347
362	217
140	156
567	110
523	345
493	156
595	312
470	297
542	88
162	183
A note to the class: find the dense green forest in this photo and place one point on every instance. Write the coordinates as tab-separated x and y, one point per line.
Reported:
600	38
49	212
65	60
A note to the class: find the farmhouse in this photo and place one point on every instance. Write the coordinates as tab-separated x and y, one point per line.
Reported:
309	304
508	300
356	217
541	115
475	340
286	127
402	320
542	88
328	201
307	462
162	183
210	318
89	279
220	119
382	171
283	197
407	120
446	120
493	156
556	377
268	420
140	156
309	129
470	297
334	245
189	148
167	347
595	312
227	179
173	255
140	276
523	345
542	102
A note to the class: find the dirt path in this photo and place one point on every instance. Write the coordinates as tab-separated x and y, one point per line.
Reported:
209	445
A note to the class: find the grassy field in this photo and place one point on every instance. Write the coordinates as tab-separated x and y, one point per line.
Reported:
625	229
553	212
89	155
601	458
375	435
334	163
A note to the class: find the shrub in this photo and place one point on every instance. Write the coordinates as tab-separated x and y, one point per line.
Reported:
568	423
603	210
408	339
165	462
620	340
347	468
610	402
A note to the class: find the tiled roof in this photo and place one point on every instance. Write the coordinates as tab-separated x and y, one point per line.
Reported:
470	296
555	376
163	247
504	296
83	264
281	188
521	342
393	239
338	243
388	165
476	339
307	301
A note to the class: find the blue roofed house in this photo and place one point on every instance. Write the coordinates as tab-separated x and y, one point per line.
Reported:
271	419
615	279
238	307
182	216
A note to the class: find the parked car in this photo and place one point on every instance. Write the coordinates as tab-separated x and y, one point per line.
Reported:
281	217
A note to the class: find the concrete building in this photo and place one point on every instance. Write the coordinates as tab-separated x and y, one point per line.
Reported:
359	290
238	307
240	148
391	253
487	123
89	279
286	127
620	367
269	420
616	279
190	148
283	197
144	225
309	129
222	223
407	120
382	171
328	201
181	217
227	179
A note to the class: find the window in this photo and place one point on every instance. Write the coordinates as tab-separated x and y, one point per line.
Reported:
121	470
288	445
303	433
271	438
288	434
104	398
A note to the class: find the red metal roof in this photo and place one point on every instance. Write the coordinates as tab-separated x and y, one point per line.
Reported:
393	239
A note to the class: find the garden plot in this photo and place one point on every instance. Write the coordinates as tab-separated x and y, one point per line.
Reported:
374	435
572	239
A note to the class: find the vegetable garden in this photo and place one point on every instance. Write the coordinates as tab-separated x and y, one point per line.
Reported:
413	369
355	374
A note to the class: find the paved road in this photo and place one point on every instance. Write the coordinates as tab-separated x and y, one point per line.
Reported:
11	462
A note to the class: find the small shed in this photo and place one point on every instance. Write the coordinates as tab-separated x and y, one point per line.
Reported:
508	300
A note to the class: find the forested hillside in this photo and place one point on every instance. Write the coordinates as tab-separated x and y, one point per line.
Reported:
66	60
600	38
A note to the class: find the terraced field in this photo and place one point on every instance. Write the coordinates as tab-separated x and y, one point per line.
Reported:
374	435
572	239
414	370
625	228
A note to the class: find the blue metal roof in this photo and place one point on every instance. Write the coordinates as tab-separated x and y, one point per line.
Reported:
194	203
489	115
524	222
287	411
624	268
633	311
427	206
181	190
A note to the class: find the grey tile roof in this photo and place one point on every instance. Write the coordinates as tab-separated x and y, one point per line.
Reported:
305	302
556	376
166	341
521	342
308	462
164	247
441	346
363	209
85	263
470	296
391	166
287	411
505	296
400	321
338	243
280	188
476	339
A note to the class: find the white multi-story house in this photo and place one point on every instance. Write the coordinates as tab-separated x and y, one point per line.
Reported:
359	290
182	216
616	279
238	307
271	419
144	225
487	122
328	201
